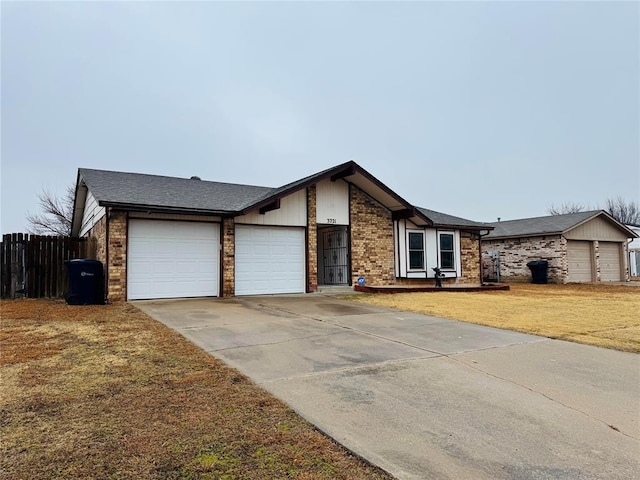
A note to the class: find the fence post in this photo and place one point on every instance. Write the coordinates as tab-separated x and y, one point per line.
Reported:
6	265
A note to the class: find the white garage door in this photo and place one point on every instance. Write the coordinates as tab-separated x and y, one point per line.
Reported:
269	260
610	268
168	259
579	260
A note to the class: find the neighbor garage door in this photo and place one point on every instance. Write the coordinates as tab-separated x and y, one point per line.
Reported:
610	268
169	259
579	261
269	260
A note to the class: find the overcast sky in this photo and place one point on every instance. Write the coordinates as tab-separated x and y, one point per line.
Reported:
477	109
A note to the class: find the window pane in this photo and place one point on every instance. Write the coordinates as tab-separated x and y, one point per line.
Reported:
446	241
446	259
415	241
416	259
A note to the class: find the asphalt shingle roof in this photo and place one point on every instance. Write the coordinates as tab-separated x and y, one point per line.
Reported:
539	225
155	191
138	189
443	219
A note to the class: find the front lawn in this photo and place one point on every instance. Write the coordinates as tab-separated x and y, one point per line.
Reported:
603	315
106	392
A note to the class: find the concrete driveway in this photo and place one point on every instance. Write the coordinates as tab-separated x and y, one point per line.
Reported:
424	397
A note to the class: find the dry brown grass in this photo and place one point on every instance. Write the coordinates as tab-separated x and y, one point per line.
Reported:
603	315
106	392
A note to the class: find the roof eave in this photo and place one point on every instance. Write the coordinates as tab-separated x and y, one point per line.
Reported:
463	227
343	171
525	235
313	179
78	210
164	209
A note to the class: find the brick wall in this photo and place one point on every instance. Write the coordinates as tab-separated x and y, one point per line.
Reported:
99	232
516	253
228	257
117	261
371	240
312	240
469	258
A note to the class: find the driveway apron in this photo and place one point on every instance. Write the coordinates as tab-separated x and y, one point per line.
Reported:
425	397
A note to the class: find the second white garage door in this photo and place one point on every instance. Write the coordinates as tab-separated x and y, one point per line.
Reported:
610	268
269	260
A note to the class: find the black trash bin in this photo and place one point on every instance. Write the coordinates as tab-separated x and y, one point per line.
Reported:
538	271
86	282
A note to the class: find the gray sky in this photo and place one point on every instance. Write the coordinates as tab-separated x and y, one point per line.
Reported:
477	109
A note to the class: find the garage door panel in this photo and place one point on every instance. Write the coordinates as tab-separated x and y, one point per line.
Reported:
609	257
269	260
579	261
171	259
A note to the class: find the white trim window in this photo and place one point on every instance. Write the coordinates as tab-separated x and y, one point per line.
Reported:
446	251
415	250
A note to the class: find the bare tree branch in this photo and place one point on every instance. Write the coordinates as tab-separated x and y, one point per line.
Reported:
623	211
567	207
56	214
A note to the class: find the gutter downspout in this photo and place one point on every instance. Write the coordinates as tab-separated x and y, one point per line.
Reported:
627	261
106	254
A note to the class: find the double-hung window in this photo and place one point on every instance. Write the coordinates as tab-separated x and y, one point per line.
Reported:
415	241
447	251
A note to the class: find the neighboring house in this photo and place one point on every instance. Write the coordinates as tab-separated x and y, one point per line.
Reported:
634	252
580	247
164	237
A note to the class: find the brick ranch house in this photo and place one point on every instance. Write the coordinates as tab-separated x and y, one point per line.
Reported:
165	237
580	248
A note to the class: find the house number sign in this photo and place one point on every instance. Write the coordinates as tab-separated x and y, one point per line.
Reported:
331	220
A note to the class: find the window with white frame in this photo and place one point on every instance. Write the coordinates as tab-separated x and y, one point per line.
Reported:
415	246
447	251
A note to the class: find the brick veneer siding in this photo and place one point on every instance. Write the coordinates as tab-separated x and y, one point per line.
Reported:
517	252
470	258
371	240
312	240
228	257
117	257
595	254
99	232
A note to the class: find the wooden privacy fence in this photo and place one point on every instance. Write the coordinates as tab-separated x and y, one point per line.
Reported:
34	265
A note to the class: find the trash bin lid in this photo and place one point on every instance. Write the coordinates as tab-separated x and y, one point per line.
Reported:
84	261
537	263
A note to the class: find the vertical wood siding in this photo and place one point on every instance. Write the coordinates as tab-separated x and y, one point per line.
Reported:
597	229
92	214
332	202
292	213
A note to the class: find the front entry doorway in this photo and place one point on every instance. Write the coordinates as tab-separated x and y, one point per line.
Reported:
333	256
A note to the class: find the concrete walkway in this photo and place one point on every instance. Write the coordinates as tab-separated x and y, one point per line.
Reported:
424	397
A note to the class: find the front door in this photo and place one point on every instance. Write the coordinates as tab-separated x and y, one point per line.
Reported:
333	256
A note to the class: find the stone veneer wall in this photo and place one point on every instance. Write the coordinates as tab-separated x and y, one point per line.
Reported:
517	252
371	240
117	256
312	240
470	258
228	257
